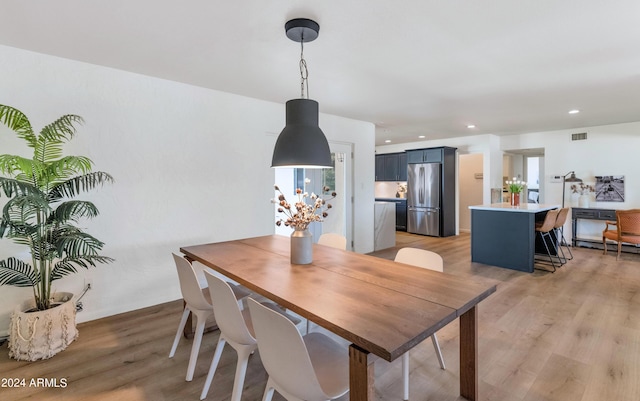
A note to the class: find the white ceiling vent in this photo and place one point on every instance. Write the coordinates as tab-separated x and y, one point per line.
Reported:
579	137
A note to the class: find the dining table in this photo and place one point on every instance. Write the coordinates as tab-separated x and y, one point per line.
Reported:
379	306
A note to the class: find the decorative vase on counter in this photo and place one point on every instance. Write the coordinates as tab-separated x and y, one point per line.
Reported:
515	199
301	246
583	201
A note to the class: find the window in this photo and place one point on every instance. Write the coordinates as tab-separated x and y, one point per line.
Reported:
328	176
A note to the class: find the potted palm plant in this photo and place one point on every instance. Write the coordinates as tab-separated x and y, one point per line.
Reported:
41	212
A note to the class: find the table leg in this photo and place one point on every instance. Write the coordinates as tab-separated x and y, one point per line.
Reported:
361	375
469	354
188	328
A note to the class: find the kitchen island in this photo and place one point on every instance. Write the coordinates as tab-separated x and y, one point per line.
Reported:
384	225
504	235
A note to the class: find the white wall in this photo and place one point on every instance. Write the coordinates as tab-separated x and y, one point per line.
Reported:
191	166
470	187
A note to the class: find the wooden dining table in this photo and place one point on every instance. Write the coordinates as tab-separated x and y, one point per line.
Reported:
381	307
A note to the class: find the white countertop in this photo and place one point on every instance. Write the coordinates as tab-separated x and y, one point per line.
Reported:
524	207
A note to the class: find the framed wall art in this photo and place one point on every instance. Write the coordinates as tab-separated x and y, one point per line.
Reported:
610	188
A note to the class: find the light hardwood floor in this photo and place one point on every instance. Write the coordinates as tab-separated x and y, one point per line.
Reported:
573	335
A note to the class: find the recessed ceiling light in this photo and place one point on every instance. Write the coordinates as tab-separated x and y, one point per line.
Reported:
574	111
471	126
387	141
421	136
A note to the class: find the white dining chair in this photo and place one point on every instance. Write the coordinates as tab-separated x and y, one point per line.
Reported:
197	302
333	240
235	329
427	260
311	368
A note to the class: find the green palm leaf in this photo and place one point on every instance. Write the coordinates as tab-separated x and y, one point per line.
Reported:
76	185
24	208
62	169
19	123
20	219
73	242
18	273
10	164
70	265
49	144
12	186
74	210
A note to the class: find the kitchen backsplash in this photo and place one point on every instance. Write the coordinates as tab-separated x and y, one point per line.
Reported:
388	189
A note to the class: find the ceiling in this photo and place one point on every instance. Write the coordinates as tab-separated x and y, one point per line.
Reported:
416	67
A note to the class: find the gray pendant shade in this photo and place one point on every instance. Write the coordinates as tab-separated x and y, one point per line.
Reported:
572	178
301	143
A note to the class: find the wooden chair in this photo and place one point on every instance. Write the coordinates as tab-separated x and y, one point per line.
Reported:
426	260
544	229
627	229
333	240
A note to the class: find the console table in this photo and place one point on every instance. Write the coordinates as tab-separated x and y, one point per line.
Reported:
578	213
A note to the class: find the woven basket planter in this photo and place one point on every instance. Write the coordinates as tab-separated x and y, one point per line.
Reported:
42	334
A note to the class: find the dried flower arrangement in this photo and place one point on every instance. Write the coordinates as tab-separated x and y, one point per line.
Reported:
301	214
582	189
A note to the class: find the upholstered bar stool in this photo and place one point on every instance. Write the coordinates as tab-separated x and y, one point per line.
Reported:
559	229
544	229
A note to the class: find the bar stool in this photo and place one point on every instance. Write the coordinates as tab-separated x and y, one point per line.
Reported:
559	229
545	228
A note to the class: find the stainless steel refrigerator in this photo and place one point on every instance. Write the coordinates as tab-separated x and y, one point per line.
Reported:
423	198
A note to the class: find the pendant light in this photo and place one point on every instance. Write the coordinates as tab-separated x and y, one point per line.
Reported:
302	144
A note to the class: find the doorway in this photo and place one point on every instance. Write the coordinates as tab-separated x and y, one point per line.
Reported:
528	165
338	179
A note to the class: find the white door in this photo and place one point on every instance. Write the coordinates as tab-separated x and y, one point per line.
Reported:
339	180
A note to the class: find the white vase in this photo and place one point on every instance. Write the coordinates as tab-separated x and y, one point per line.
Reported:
575	199
584	201
301	247
42	334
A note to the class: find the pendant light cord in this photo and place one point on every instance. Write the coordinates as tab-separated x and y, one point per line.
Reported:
304	72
